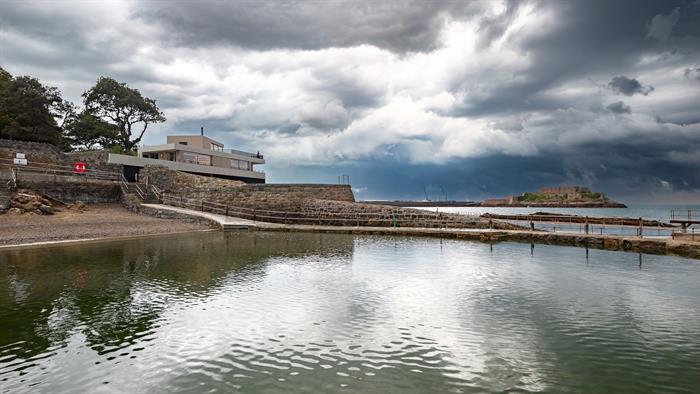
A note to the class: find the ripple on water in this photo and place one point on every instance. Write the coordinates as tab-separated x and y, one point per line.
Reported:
336	313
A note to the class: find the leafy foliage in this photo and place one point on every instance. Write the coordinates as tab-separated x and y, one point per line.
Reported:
88	131
30	111
124	107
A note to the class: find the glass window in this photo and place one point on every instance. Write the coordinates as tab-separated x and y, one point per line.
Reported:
239	164
193	158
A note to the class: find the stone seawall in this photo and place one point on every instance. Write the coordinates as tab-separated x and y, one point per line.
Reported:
71	189
215	189
300	204
321	192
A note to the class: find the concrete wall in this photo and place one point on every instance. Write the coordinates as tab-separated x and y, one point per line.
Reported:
193	140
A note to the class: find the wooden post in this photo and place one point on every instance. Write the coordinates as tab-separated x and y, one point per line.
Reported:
641	227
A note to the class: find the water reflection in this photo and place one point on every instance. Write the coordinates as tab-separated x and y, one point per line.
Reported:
261	312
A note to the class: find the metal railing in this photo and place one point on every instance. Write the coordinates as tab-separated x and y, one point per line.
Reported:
157	192
12	182
688	215
124	184
128	186
581	220
427	220
139	191
244	153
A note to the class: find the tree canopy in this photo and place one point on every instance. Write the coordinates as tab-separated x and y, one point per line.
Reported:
31	111
116	103
86	130
115	115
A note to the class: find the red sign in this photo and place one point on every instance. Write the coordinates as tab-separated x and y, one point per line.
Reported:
79	167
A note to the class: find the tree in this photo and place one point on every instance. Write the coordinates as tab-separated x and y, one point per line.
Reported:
86	130
29	110
124	107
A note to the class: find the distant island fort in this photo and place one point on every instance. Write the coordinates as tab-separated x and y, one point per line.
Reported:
550	197
562	196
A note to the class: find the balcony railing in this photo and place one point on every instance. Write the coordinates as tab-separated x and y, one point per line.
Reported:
243	153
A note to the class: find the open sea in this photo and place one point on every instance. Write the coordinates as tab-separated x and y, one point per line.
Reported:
652	212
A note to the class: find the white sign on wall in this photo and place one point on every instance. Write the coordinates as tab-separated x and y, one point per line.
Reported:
21	162
20	156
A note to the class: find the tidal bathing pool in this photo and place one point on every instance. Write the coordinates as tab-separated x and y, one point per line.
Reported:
277	313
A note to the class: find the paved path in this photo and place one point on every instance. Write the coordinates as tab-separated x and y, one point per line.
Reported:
226	222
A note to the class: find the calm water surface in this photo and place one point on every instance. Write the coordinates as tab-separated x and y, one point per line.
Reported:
277	313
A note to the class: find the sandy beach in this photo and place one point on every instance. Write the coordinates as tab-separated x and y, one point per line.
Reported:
95	222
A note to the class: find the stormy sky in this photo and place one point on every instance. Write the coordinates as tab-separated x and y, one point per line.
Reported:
460	99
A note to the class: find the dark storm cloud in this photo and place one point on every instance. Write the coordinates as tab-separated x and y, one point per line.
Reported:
662	25
628	86
619	107
588	38
397	26
493	27
368	70
628	172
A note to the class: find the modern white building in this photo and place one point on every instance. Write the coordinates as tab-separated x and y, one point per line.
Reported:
195	154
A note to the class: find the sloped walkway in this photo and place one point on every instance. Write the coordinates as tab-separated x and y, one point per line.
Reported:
226	222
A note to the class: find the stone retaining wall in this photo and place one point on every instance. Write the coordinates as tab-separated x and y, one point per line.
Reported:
215	189
38	154
69	189
35	151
